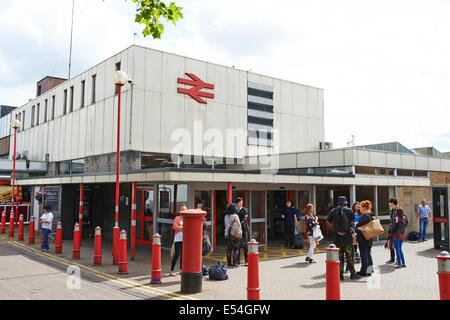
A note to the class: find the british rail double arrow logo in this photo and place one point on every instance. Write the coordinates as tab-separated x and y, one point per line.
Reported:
198	85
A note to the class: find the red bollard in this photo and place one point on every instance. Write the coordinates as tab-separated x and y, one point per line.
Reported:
98	246
333	275
42	239
133	223
253	290
3	225
191	275
20	232
76	242
115	252
444	275
31	231
156	259
58	242
123	253
11	223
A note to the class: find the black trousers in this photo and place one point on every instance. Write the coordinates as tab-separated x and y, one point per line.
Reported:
289	229
178	253
392	254
365	249
243	244
232	251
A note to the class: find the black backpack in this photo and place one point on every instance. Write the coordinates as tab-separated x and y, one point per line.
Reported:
218	272
341	223
413	236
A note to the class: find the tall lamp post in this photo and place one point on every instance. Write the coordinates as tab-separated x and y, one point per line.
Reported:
15	124
120	79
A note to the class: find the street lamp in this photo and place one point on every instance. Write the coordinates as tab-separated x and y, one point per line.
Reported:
14	124
120	79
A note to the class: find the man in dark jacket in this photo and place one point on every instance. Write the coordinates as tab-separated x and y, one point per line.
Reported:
390	244
341	220
243	217
290	223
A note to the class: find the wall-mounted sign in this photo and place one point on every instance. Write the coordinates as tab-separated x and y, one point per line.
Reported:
198	85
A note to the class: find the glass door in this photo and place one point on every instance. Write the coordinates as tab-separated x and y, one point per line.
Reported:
258	226
440	218
205	197
144	215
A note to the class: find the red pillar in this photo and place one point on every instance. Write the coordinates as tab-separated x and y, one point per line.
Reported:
31	231
156	259
133	223
191	276
253	290
58	242
80	212
11	223
3	225
98	246
333	289
229	193
123	253
444	275
20	232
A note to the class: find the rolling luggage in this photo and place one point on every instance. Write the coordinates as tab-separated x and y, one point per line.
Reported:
298	241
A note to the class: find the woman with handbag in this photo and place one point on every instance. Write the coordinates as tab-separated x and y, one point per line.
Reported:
232	229
365	246
177	241
356	211
311	223
398	234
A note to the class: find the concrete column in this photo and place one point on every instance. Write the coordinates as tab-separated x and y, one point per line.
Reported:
190	196
352	195
375	200
313	198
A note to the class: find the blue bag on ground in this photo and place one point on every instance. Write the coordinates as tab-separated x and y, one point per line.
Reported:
218	272
413	236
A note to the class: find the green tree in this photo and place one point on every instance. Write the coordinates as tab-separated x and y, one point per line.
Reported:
149	13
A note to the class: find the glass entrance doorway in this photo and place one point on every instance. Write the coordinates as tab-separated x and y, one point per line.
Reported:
440	218
144	215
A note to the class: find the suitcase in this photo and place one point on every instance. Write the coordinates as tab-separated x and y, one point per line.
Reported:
298	241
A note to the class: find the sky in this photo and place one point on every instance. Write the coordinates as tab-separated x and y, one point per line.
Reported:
384	65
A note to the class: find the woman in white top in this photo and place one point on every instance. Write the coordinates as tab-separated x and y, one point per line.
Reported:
178	240
232	244
46	221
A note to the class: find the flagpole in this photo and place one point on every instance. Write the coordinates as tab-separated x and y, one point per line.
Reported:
71	37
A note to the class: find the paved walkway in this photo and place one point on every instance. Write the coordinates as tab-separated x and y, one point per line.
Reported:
280	279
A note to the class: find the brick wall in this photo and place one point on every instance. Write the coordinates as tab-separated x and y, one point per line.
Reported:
409	198
439	178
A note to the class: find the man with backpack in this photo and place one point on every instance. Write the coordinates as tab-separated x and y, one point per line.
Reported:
341	220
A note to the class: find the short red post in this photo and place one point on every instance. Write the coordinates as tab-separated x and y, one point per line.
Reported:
11	223
333	290
98	246
58	242
31	231
115	252
444	275
20	232
133	223
123	252
253	290
76	242
3	225
191	275
156	259
42	239
80	212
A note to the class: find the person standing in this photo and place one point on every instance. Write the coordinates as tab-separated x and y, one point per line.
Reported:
365	246
393	203
341	219
311	221
178	240
290	224
243	218
46	221
232	244
398	234
423	215
356	212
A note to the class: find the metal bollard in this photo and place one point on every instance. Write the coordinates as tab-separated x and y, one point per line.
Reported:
115	252
444	275
333	290
253	290
156	259
98	246
76	242
11	224
20	232
31	231
3	225
123	253
58	242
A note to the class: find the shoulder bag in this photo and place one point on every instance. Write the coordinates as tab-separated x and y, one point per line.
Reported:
372	229
235	231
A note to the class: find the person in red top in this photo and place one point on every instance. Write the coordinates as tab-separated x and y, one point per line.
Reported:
398	234
178	240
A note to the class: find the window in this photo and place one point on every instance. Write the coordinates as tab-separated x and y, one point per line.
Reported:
77	166
83	90
259	107
19	117
64	167
265	122
116	89
65	102
23	120
37	114
53	107
261	94
45	110
94	78
33	108
71	99
39	90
